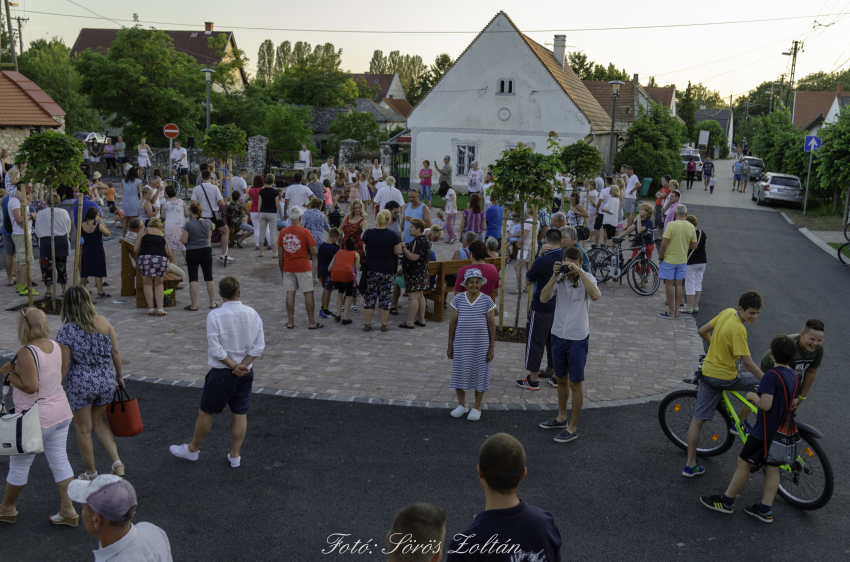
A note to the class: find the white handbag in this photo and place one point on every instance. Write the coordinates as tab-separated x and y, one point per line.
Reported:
20	433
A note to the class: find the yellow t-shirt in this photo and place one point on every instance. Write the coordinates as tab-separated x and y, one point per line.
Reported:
680	235
728	343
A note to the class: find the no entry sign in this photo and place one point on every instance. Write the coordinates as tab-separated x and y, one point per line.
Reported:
171	131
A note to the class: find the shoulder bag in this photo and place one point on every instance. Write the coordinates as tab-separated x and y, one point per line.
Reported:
20	433
123	414
215	212
785	445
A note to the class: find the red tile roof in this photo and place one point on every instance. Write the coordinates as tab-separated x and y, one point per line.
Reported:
604	94
809	105
383	81
662	94
402	107
23	104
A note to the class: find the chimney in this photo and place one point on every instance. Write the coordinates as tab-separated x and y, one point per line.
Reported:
840	88
560	49
208	26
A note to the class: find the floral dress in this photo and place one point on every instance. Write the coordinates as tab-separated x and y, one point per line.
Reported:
416	272
317	223
174	221
352	230
91	375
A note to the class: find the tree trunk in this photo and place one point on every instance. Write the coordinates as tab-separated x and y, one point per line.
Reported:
533	251
502	271
25	213
836	197
52	250
230	177
520	264
77	243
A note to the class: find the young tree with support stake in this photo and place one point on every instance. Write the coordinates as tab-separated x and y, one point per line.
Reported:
225	142
522	178
580	161
54	159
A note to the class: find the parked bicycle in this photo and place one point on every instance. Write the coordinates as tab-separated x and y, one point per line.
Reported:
640	271
807	483
844	249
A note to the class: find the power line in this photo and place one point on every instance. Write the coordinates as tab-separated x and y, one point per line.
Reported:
739	68
619	28
727	58
95	13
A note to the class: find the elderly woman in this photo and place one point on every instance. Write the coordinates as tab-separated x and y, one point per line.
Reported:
382	247
154	255
472	330
93	257
92	365
492	248
415	264
36	374
697	261
61	231
196	235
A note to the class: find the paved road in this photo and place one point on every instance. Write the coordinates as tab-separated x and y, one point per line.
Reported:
723	195
312	468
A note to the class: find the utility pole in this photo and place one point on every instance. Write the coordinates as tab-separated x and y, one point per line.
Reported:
20	34
793	55
770	105
781	88
9	32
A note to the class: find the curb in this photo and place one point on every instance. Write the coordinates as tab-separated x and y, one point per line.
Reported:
819	243
786	217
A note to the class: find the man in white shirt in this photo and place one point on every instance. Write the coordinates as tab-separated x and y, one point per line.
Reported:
305	156
602	200
387	193
632	186
352	173
297	195
239	183
209	196
234	340
328	171
573	290
23	244
476	178
180	161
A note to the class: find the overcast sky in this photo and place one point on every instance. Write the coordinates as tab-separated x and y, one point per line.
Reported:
665	52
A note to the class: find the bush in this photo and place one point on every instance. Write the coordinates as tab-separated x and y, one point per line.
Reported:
650	162
652	149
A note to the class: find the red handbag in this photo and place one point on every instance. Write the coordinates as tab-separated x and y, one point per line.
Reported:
124	416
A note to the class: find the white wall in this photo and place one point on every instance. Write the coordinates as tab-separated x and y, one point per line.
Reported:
832	114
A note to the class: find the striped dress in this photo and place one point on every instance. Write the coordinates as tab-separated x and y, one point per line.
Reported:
470	369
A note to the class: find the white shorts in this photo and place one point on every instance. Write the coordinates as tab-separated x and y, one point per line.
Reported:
693	279
301	282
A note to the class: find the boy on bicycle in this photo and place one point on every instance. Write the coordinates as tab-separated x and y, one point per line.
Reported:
727	342
774	395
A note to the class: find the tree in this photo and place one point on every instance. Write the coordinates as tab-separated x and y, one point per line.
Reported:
228	70
49	66
300	52
378	64
328	57
580	160
420	87
246	108
358	126
224	143
824	81
364	90
144	83
583	68
833	157
286	127
266	62
54	159
716	136
313	81
283	58
652	83
704	97
687	110
652	148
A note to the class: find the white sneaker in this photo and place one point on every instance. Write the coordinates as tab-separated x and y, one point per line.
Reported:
234	462
474	415
228	258
183	452
460	411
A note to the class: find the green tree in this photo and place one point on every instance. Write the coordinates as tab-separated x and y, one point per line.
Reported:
223	143
687	110
378	64
328	56
716	136
583	68
282	58
358	126
652	148
580	160
704	97
5	51
228	70
833	157
652	83
144	83
420	87
286	127
824	81
244	108
364	90
48	65
311	81
300	51
266	62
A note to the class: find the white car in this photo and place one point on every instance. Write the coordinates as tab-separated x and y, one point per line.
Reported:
686	156
89	137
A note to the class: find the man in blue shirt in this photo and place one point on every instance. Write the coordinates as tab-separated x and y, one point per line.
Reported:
538	327
707	171
736	169
494	216
87	203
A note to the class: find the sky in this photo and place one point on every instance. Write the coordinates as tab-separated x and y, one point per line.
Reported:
729	58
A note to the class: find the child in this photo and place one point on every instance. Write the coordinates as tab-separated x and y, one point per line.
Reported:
773	396
425	181
342	272
328	196
439	220
327	251
110	195
726	344
119	215
711	182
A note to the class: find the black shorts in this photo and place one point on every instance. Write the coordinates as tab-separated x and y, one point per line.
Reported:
218	223
610	230
199	257
345	287
753	451
597	224
223	388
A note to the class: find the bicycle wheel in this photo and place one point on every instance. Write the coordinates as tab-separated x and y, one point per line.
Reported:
599	259
643	278
844	253
675	414
847	232
809	482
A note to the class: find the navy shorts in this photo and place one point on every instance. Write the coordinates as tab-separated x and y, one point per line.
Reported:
223	388
569	357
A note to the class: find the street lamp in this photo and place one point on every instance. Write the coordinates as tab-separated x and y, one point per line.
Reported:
615	84
208	75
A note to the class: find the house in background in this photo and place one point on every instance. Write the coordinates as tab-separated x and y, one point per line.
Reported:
665	95
722	116
812	110
388	85
193	43
25	109
320	124
402	107
504	89
387	118
632	97
841	100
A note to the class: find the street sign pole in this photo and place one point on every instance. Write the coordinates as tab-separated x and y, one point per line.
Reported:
808	176
811	145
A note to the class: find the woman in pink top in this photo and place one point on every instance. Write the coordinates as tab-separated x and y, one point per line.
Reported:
425	182
40	380
479	253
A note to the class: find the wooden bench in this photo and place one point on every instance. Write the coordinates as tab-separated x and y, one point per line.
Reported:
442	269
132	283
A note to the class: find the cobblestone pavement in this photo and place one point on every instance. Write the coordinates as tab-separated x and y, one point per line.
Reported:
633	353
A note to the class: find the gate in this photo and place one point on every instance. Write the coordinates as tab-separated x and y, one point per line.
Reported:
400	166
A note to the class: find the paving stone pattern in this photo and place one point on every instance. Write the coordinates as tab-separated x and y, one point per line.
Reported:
634	355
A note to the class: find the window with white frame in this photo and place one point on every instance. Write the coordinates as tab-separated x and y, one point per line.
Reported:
466	153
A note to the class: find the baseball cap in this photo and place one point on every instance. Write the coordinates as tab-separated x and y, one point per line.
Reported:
109	496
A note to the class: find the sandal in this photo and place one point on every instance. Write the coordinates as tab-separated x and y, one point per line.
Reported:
385	328
87	476
11	518
104	295
347	322
118	470
151	312
316	327
394	311
405	326
161	312
422	324
190	308
238	244
70	521
367	327
214	306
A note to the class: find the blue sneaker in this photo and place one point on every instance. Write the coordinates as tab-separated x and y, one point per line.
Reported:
747	429
565	436
554	424
322	314
689	472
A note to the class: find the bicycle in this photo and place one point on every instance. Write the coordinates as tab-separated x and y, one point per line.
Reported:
844	249
640	271
806	484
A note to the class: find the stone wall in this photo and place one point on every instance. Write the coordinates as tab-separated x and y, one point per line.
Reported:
254	162
349	148
12	137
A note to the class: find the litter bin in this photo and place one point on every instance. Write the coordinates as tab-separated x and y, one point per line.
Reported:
644	186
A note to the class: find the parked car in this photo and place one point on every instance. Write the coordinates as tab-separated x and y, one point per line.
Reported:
89	137
686	154
756	167
775	187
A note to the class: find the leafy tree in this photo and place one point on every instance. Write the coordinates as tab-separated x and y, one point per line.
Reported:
327	56
378	64
266	62
704	97
652	83
420	88
314	81
5	51
580	160
48	65
358	126
144	83
286	127
364	90
716	136
227	73
580	65
282	58
244	108
224	143
687	110
824	81
300	52
833	157
652	148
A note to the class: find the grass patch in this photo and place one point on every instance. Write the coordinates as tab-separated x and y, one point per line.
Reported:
837	245
817	218
437	201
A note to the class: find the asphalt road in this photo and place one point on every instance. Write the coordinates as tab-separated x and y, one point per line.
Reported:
313	468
